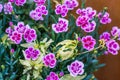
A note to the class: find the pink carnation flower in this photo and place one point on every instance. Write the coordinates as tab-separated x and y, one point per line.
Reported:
1	7
105	36
88	42
76	68
16	37
52	76
71	4
62	10
112	47
104	19
85	24
30	35
40	2
9	31
34	15
86	12
20	27
115	32
50	60
12	1
8	8
38	13
31	53
20	2
61	26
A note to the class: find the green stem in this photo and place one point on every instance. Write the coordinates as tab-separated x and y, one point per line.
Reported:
83	3
91	50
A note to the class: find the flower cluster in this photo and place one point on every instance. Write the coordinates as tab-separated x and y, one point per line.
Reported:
19	31
70	44
52	76
38	13
88	42
65	7
85	19
8	8
76	68
50	60
40	2
61	26
31	53
104	18
111	44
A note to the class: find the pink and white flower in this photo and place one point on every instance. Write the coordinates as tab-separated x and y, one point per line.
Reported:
89	12
112	47
30	35
31	53
20	27
85	24
49	60
115	32
9	31
62	10
8	8
104	19
61	26
76	68
88	42
38	13
20	2
71	4
52	76
106	36
16	37
40	2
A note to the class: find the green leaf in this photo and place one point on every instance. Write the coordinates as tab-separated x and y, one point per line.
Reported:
1	77
68	77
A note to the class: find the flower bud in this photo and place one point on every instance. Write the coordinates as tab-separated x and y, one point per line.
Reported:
12	50
2	67
10	23
61	73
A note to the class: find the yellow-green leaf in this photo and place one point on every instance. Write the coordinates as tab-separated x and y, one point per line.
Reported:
69	77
